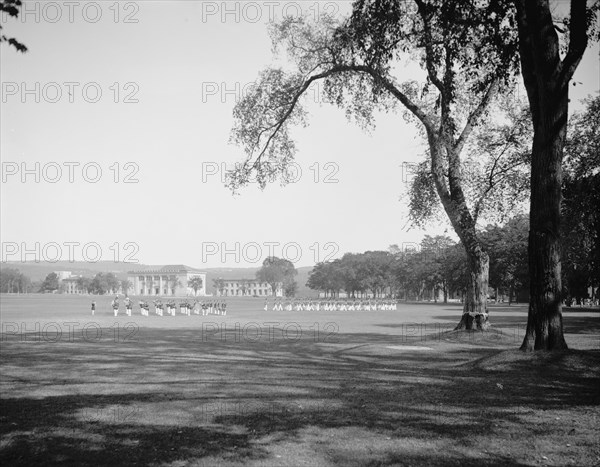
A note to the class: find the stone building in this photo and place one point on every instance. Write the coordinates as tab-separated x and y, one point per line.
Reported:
246	287
69	285
169	280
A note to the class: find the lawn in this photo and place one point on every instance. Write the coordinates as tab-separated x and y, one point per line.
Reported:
261	387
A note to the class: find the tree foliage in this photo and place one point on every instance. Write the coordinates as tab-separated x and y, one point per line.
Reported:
438	265
13	281
581	198
495	168
219	285
50	283
174	283
84	284
466	51
357	58
104	283
12	8
195	283
507	248
125	285
278	272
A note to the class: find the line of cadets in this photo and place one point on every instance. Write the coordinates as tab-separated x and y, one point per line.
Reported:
332	305
185	307
220	307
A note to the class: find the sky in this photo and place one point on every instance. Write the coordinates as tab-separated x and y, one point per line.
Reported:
115	135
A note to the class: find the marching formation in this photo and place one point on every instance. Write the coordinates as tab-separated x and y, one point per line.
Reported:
332	305
203	307
214	307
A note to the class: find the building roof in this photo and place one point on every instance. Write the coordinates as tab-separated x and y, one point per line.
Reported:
71	279
243	280
170	268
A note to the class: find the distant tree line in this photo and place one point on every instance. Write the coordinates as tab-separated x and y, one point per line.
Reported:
13	281
440	265
100	284
438	268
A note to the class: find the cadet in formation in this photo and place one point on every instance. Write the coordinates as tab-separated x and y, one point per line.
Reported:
331	304
204	307
115	305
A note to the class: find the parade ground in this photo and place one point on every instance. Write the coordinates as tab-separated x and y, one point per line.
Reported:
262	388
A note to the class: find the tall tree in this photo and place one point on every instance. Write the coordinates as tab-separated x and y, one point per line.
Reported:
290	288
435	252
84	284
327	277
546	76
195	283
219	285
12	280
125	285
112	283
276	272
507	247
174	283
466	49
50	283
104	283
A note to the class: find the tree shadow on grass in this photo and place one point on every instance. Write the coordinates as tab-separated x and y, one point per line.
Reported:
572	324
103	430
278	390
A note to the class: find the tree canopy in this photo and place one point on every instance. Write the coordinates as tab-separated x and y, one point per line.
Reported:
581	198
50	283
467	54
12	280
12	8
278	272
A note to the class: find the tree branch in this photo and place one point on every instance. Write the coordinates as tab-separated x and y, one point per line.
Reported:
578	40
431	72
476	114
386	83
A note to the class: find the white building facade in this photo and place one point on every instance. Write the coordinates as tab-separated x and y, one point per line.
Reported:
246	287
172	280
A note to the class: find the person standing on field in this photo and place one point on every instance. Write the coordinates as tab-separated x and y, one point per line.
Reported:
115	305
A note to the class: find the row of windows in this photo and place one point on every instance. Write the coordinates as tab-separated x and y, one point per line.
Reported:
150	279
248	292
157	278
155	291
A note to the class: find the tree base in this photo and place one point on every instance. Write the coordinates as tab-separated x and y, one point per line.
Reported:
471	321
532	342
544	328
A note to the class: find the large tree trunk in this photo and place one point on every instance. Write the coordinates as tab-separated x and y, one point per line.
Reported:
454	201
546	78
544	321
475	315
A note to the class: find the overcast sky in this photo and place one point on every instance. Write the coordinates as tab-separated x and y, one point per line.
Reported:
169	74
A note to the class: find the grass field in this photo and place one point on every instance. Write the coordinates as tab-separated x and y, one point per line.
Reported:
291	388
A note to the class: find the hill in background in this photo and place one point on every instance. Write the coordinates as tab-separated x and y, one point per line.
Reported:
38	272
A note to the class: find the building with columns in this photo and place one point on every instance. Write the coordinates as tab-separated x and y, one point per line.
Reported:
245	287
69	285
169	280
